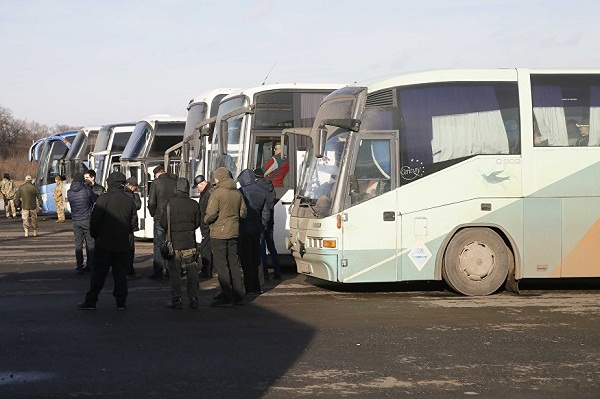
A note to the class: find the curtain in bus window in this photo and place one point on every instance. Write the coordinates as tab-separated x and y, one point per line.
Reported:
309	105
448	122
458	136
594	116
550	114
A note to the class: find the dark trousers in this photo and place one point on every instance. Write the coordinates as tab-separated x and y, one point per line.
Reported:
160	236
184	258
227	265
250	259
266	241
81	230
205	250
104	260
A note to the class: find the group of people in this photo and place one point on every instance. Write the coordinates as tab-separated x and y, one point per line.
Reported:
236	226
26	198
232	222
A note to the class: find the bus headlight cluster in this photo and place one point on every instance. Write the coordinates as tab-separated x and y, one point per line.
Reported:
320	242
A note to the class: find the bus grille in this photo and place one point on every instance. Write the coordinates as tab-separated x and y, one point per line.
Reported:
382	98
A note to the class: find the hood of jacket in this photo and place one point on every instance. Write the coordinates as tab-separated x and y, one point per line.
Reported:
227	184
183	186
265	183
246	177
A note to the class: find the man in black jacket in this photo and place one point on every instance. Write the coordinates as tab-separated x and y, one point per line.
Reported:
161	189
184	219
111	223
81	200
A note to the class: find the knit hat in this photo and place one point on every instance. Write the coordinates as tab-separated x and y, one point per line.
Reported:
7	176
132	181
78	177
116	179
159	169
221	173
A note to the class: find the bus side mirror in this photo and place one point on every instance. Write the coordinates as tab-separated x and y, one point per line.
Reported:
223	130
321	141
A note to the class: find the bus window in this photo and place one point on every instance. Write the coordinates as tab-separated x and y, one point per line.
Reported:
270	155
372	172
566	109
443	124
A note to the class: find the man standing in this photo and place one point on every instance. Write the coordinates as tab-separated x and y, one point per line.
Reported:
29	199
8	190
161	190
81	199
111	223
90	180
266	238
184	219
131	190
250	229
277	167
59	200
205	248
225	208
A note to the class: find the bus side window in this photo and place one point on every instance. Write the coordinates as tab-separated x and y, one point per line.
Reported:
371	176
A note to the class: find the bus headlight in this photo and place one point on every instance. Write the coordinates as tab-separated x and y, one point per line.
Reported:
329	243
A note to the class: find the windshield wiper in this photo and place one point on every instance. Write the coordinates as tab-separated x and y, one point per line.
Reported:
305	202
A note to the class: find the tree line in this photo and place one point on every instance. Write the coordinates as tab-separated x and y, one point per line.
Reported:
16	136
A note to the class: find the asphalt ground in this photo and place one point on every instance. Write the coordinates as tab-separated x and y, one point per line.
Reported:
301	339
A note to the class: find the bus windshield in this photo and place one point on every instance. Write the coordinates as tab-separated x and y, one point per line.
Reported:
320	175
232	160
138	141
196	114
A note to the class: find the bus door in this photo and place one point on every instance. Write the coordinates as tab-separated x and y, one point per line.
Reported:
369	223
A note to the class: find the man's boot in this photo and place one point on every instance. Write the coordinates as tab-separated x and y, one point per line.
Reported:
35	233
26	233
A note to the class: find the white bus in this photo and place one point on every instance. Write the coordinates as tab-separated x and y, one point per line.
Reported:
77	158
250	124
476	177
193	151
110	143
144	151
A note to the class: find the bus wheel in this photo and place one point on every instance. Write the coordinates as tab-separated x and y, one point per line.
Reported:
476	262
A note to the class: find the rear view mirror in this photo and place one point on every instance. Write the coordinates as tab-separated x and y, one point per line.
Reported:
321	141
223	130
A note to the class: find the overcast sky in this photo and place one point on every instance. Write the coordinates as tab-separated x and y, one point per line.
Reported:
96	62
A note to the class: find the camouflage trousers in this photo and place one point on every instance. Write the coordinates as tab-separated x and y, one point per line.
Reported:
60	210
26	215
9	207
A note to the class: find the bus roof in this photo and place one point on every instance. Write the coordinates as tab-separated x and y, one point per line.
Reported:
250	92
464	75
163	118
207	96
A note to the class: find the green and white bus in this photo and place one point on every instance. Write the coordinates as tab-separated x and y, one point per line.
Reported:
476	177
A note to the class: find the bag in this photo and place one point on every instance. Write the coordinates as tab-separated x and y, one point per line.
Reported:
166	249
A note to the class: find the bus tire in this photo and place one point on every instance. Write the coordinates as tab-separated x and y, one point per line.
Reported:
476	262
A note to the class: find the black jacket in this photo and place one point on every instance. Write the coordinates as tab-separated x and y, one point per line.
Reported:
255	198
81	200
271	200
185	218
112	220
161	190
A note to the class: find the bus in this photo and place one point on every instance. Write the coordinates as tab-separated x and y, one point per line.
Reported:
473	177
77	158
144	151
106	156
197	136
51	153
249	126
